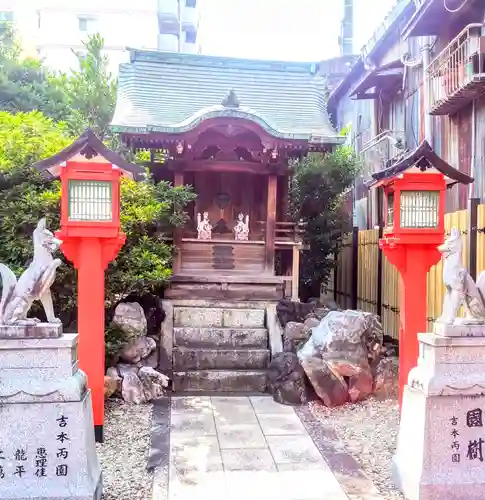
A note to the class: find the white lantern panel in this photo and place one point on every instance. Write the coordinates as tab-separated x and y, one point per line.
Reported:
420	209
90	200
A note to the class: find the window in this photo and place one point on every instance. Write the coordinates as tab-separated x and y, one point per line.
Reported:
191	3
6	16
86	24
190	36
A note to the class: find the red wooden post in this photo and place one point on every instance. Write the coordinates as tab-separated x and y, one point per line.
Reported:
270	223
413	230
90	231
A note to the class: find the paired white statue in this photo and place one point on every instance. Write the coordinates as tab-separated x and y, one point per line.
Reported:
460	287
34	284
241	229
204	227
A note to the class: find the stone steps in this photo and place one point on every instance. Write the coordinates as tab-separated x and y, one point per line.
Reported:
190	358
223	338
219	381
207	317
219	349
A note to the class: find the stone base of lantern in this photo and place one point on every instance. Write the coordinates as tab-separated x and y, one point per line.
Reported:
47	448
441	445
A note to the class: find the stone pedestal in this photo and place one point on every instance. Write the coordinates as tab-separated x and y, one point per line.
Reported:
441	445
47	448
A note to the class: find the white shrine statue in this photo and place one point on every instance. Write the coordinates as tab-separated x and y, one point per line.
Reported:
460	287
204	228
241	229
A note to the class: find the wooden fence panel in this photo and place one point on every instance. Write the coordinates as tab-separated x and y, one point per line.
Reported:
368	255
481	239
367	288
390	299
344	273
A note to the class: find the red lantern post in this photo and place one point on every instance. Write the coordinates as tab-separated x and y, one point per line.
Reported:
415	191
90	230
91	235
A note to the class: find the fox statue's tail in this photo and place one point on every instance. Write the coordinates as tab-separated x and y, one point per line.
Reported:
8	286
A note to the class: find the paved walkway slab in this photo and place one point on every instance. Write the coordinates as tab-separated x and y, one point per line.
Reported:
241	447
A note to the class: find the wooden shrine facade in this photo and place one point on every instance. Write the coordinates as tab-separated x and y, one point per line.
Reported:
235	154
234	168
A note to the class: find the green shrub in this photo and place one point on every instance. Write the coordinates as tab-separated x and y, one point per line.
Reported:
319	184
147	211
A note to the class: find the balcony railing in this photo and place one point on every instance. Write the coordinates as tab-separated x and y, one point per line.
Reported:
381	150
457	75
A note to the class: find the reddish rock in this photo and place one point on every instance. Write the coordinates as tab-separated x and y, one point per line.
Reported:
386	377
361	385
329	386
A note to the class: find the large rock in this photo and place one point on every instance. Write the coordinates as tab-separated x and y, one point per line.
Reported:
329	386
153	382
110	386
294	335
132	389
361	385
129	316
137	350
386	377
350	345
287	311
151	360
373	338
286	379
124	368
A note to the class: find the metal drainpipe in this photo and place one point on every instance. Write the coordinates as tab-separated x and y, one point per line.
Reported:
426	49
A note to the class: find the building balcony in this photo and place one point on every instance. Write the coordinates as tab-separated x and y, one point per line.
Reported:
382	150
190	18
457	75
168	17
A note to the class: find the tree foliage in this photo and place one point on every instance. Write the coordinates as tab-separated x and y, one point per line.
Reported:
83	98
147	210
90	91
317	193
25	85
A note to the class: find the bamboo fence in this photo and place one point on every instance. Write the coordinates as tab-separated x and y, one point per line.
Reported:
382	295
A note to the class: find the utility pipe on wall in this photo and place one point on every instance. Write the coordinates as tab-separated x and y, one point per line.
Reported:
426	50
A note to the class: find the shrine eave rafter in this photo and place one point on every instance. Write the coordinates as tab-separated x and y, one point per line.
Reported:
152	134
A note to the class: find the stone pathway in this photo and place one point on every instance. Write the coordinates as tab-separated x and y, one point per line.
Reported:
241	448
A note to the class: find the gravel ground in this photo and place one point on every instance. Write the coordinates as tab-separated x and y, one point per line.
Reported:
369	431
124	453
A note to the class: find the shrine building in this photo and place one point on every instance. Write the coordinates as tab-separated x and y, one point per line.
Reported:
229	128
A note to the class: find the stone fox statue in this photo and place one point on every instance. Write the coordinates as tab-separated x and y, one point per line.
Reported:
34	284
460	287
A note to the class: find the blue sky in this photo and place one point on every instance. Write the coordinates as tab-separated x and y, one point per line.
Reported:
293	30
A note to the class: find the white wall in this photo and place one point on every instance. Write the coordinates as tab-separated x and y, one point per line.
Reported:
51	29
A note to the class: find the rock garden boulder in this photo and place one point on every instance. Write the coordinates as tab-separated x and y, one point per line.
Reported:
286	379
341	355
135	375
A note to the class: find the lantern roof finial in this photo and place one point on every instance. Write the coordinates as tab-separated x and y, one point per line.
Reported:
89	146
423	158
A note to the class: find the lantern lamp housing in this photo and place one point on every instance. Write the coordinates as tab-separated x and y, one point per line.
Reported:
414	205
90	201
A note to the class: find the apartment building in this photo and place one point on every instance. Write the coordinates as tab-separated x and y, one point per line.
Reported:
55	30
